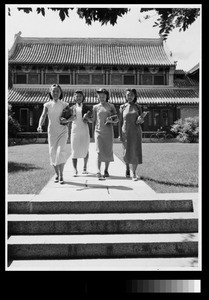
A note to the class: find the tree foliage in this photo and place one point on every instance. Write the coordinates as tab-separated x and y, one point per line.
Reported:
168	18
187	130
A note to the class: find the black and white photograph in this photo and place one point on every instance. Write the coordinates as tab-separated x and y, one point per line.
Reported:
103	137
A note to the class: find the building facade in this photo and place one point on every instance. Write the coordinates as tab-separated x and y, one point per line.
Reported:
88	64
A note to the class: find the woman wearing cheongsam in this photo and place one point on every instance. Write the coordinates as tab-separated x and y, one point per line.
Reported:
57	133
104	135
131	132
80	137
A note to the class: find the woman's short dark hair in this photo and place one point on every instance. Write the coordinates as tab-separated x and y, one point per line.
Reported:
105	92
134	92
80	92
61	93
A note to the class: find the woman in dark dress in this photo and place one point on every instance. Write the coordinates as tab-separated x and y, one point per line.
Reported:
131	132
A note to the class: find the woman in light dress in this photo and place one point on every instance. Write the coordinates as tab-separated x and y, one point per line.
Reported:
57	133
104	134
80	137
130	132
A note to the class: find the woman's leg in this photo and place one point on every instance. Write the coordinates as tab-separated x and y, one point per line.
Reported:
61	168
85	162
75	160
106	174
98	166
127	170
134	167
57	173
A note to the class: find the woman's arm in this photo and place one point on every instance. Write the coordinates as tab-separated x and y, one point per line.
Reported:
120	122
42	118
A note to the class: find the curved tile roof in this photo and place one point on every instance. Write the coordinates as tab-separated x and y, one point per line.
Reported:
90	52
146	96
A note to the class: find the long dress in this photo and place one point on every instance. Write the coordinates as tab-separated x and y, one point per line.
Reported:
131	133
80	137
104	134
57	133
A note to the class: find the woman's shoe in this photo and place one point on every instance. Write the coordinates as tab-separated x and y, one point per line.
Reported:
75	173
84	171
128	174
100	177
134	178
106	174
61	180
56	179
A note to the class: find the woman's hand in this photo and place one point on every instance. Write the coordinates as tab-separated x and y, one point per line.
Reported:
139	120
39	129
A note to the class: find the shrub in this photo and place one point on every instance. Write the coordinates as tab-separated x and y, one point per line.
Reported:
13	125
187	130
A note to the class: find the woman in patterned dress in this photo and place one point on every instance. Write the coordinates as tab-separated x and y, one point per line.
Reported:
131	132
80	137
104	134
57	133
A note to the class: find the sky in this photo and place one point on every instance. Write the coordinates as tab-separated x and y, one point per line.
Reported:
185	45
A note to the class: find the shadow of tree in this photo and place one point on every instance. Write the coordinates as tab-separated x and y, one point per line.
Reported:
16	167
168	182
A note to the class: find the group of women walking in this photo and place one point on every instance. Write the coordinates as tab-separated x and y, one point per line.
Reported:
103	116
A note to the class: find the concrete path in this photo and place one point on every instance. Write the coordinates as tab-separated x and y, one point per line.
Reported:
88	187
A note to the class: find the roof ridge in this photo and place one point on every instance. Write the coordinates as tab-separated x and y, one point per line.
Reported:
90	40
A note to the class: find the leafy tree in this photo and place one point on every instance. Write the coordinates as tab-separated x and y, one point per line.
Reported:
169	18
187	130
13	125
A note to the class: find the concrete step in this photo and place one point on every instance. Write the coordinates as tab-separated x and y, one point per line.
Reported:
102	246
117	264
21	224
98	206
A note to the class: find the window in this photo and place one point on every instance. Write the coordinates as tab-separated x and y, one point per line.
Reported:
21	78
158	80
165	117
83	79
116	79
129	79
31	118
51	78
156	118
64	79
97	79
147	79
24	116
33	79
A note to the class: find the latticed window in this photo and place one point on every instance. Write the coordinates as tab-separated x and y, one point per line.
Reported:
64	79
33	79
83	79
51	79
158	79
129	79
21	78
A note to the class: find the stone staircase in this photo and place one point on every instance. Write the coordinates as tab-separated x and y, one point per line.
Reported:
114	234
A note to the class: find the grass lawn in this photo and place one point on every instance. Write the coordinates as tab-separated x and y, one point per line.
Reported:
29	168
166	168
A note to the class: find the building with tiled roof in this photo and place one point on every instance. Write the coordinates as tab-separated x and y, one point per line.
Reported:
91	63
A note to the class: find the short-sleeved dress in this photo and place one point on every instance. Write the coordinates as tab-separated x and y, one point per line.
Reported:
131	133
104	134
80	137
57	133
